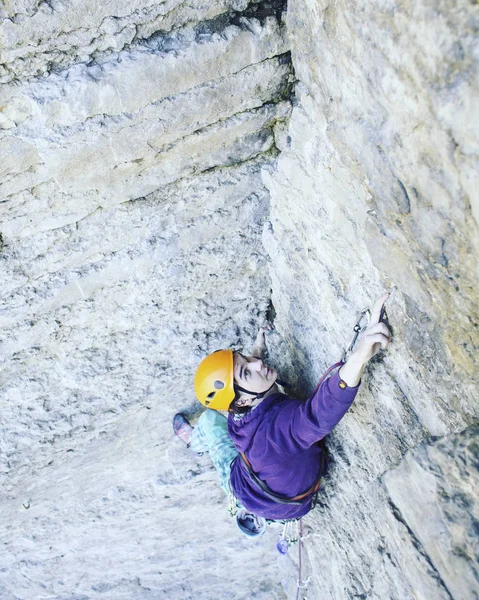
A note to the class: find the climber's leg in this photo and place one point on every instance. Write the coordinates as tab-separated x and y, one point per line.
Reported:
211	435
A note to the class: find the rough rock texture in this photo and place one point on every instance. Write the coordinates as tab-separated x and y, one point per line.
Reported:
39	37
376	189
443	526
131	219
137	235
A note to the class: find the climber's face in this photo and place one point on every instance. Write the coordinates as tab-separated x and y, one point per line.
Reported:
251	373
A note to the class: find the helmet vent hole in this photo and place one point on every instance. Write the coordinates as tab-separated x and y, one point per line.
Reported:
219	385
211	396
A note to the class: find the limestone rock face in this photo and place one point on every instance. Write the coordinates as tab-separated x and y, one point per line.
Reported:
374	190
131	221
444	477
39	37
411	534
172	175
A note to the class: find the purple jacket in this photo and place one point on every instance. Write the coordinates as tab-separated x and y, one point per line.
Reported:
279	439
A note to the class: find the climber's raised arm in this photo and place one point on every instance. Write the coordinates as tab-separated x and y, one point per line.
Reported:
302	425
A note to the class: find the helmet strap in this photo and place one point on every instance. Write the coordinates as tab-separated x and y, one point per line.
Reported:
256	396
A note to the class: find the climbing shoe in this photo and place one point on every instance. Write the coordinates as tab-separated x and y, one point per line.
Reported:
250	524
183	429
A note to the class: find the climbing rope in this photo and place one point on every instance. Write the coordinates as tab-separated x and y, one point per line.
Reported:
293	533
326	375
359	327
300	566
293	529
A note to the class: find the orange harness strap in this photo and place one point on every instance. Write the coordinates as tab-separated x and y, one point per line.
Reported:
312	490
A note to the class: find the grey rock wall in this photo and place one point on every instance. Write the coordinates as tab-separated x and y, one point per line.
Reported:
443	475
40	37
132	206
374	190
163	189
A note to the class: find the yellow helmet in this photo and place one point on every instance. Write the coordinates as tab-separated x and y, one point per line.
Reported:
214	380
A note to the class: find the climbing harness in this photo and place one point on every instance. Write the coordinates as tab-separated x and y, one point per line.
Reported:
278	498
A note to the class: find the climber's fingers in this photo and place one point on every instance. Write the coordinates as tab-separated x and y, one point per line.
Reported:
378	341
376	337
379	328
377	308
371	344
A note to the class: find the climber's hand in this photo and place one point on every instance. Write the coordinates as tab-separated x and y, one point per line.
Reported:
259	344
376	337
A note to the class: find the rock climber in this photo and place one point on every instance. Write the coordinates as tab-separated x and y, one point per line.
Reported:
268	452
